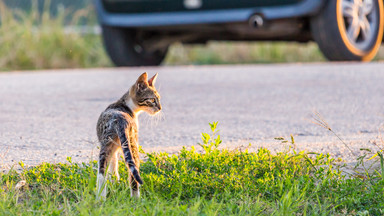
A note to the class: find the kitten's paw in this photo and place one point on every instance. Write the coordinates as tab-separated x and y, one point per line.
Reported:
135	193
101	188
101	195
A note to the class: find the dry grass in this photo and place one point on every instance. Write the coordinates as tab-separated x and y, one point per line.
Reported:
38	41
243	52
247	53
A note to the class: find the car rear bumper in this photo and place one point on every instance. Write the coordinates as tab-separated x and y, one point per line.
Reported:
304	8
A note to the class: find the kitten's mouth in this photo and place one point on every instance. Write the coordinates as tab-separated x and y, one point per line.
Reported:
155	112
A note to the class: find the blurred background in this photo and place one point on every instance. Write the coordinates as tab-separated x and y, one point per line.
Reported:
38	34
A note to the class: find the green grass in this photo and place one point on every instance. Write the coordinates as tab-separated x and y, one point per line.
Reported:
205	182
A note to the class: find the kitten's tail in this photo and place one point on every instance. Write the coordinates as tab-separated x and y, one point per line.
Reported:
127	153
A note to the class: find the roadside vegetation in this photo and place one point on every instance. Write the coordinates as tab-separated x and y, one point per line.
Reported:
34	40
200	181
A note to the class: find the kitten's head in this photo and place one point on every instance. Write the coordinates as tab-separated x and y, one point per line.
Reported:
144	94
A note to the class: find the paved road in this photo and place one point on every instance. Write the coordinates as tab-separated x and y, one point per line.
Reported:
48	115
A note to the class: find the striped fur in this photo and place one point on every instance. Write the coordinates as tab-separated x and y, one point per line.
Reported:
117	131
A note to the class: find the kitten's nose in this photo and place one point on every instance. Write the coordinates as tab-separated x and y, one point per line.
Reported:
159	107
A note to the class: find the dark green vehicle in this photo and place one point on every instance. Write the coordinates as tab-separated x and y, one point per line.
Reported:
139	32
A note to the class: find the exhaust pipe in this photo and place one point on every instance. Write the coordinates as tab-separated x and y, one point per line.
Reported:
256	21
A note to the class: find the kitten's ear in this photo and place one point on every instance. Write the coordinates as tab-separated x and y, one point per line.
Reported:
142	82
152	81
142	78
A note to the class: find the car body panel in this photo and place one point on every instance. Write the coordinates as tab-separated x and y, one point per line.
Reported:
208	16
150	6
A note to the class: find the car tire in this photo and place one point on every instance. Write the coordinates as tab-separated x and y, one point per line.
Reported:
346	30
124	49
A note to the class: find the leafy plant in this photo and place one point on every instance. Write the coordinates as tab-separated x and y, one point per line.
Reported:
210	143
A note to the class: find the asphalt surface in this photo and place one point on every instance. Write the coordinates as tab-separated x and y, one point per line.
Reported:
46	116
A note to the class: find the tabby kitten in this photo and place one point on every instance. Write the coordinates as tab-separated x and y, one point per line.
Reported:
117	130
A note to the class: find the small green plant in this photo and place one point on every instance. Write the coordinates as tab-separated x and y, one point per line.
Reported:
210	142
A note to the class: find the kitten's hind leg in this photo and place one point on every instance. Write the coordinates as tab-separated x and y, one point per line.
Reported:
103	162
101	191
135	192
114	164
133	166
131	161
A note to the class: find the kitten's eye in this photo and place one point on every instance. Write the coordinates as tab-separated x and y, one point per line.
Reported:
152	100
